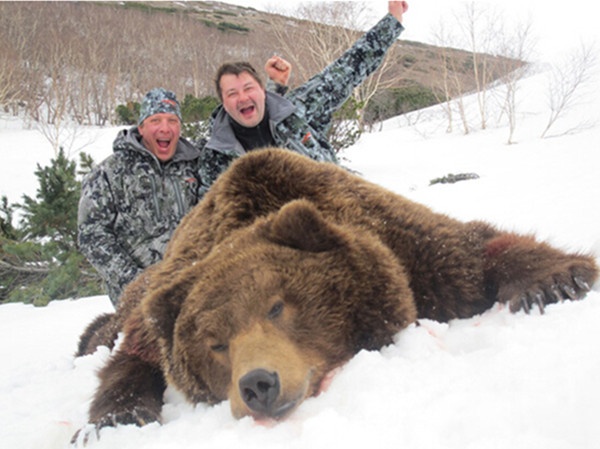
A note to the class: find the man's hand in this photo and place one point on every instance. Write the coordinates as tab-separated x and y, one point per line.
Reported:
279	70
397	8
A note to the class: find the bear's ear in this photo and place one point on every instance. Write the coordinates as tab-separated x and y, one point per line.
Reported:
300	225
162	305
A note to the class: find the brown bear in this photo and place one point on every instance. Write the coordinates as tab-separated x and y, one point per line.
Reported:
289	267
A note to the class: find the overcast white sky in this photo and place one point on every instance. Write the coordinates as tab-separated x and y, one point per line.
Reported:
558	26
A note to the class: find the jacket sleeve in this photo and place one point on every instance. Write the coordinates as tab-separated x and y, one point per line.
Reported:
96	236
327	91
277	88
211	164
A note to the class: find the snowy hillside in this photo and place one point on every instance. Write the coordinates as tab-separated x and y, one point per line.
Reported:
493	381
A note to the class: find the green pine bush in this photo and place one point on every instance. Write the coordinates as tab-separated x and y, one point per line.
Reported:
39	259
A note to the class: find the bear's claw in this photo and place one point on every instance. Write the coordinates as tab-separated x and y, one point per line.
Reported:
555	293
91	431
581	283
85	435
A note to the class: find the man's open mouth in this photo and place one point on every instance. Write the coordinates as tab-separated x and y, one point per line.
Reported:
163	143
248	110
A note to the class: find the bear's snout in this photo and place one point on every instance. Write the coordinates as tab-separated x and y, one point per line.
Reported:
271	375
259	389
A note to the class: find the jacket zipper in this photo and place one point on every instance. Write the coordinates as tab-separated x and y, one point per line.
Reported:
155	197
178	195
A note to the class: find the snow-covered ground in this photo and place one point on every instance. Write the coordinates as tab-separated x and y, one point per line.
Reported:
492	381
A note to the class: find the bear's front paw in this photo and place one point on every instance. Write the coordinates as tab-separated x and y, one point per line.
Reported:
525	273
572	284
139	416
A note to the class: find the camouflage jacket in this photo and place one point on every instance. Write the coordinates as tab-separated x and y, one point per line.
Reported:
130	205
301	120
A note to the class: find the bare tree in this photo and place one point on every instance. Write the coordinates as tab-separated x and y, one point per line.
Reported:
327	30
567	83
18	27
203	59
479	25
10	90
471	34
446	86
515	47
497	52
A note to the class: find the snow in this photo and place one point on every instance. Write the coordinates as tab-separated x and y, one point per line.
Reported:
493	381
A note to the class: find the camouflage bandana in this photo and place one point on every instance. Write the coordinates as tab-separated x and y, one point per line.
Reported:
158	101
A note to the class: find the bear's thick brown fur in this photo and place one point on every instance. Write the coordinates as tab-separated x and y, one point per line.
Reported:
287	269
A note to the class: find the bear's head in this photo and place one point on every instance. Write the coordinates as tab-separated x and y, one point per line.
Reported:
274	307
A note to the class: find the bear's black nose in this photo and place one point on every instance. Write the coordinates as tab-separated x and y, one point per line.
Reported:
259	389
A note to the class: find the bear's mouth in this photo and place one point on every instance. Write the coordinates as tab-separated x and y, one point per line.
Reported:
285	408
278	414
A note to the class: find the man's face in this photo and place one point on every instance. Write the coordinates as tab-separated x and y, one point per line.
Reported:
160	134
243	98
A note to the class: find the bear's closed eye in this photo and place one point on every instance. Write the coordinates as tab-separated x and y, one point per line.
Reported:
276	310
219	347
